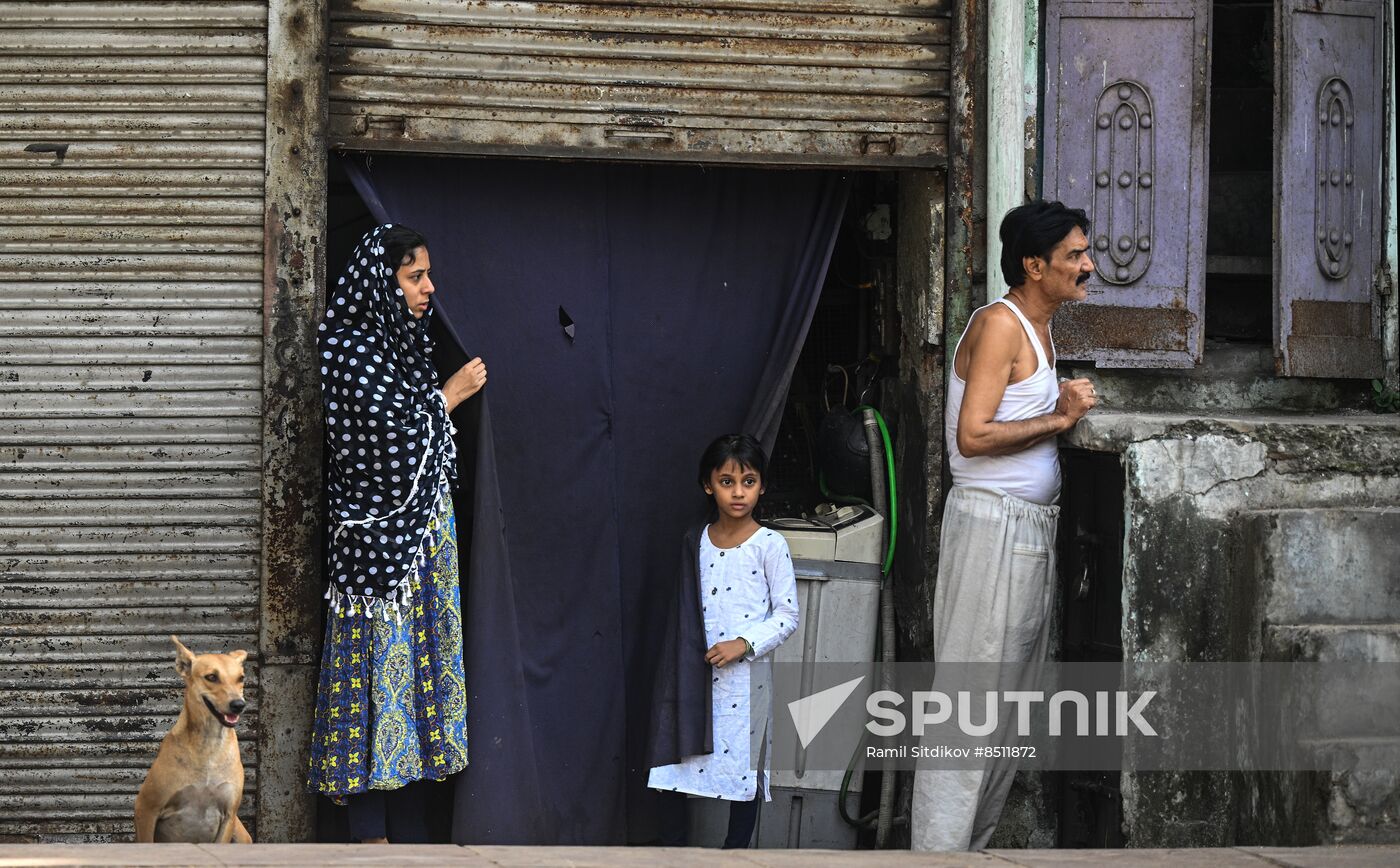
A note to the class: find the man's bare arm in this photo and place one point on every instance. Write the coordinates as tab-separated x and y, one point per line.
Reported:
1007	438
991	356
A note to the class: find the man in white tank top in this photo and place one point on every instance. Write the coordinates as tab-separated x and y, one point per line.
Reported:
996	567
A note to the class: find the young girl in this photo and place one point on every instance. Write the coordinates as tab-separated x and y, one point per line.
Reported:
748	605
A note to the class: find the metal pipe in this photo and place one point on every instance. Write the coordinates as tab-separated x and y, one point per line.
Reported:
879	488
1391	328
1011	98
1006	169
880	498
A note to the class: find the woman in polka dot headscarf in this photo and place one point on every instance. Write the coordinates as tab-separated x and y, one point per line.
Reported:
391	704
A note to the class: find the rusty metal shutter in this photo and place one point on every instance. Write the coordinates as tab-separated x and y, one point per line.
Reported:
131	263
1126	101
817	82
1327	164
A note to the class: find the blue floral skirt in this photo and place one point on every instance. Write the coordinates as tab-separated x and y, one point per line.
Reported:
391	707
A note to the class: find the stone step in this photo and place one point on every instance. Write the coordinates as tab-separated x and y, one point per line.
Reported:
1362	797
1318	566
1358	803
1332	643
1356	695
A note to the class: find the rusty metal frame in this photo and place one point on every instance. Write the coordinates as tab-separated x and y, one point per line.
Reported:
921	281
955	200
294	273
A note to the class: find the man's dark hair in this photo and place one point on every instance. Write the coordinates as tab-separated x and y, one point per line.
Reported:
399	242
1033	229
742	449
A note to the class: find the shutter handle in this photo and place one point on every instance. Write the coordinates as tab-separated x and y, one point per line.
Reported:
878	143
640	135
380	123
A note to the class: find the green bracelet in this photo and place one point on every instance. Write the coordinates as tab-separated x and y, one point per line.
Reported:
748	645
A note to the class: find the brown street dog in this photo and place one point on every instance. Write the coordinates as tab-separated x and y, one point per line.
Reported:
192	792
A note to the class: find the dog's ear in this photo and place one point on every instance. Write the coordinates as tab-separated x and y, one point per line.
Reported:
239	655
184	658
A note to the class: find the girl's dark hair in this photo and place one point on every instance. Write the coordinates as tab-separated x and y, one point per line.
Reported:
399	243
1034	229
739	448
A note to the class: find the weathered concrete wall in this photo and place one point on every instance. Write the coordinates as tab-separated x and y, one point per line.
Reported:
1192	487
1232	379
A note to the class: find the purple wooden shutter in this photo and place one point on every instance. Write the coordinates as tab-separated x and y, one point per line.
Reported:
1327	174
1126	107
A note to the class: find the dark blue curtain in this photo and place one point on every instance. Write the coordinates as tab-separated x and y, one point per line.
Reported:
689	291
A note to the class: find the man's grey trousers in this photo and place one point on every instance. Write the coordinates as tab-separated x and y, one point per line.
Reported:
996	584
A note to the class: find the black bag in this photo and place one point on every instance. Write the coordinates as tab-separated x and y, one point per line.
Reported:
843	455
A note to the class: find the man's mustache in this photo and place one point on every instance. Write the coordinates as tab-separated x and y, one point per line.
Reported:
1083	279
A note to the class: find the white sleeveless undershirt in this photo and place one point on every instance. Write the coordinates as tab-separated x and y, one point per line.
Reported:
1032	474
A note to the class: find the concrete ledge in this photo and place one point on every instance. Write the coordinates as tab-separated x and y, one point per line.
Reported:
607	857
1115	430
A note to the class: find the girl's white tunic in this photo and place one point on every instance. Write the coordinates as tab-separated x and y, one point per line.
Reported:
747	591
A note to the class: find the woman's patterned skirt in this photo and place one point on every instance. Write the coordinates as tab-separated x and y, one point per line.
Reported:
391	707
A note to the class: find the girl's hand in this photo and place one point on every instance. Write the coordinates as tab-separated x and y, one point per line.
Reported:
465	383
724	653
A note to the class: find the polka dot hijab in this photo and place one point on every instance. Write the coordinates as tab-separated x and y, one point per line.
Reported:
388	438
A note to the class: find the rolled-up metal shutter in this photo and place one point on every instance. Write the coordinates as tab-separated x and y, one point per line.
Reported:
816	82
131	263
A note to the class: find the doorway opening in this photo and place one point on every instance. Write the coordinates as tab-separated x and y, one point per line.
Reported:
1091	569
845	361
1239	224
850	349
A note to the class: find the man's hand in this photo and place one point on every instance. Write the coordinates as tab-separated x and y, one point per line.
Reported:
468	380
724	653
1077	398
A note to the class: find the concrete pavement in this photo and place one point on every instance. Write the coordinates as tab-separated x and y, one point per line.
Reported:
162	855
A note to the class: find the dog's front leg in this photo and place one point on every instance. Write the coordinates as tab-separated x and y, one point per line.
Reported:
232	831
240	834
146	816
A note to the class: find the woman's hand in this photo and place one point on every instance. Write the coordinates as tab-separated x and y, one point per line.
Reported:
724	653
465	383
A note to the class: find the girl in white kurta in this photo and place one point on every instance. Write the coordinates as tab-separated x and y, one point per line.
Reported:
748	598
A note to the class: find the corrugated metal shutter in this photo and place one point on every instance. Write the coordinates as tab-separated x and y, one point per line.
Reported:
131	262
822	82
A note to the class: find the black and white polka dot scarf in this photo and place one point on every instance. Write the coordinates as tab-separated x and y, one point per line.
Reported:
388	438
